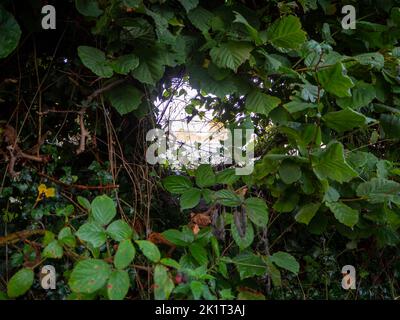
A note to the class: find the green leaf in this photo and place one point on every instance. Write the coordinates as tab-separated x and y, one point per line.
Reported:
200	18
170	263
93	233
344	120
307	212
227	176
190	198
334	81
103	209
286	261
374	60
118	285
124	255
231	54
53	250
362	94
249	265
66	237
286	33
205	176
262	103
227	198
125	64
247	239
251	30
20	283
189	4
197	289
379	190
84	202
343	213
88	8
149	249
330	163
289	171
125	98
199	253
10	33
273	272
151	66
178	238
89	276
257	211
119	230
163	284
95	60
177	184
391	125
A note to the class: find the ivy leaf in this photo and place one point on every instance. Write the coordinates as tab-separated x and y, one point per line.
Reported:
262	103
124	255
89	276
344	120
163	284
330	163
231	54
307	212
125	98
93	233
343	213
190	198
118	285
149	249
177	184
286	33
20	283
286	261
119	230
189	4
10	33
334	81
88	8
53	250
205	176
257	211
103	209
379	190
95	60
124	64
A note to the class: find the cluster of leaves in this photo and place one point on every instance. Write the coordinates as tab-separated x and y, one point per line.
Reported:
325	99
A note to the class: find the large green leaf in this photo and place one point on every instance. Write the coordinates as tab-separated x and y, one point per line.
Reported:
151	66
179	238
205	176
149	249
190	198
344	120
124	255
289	171
124	64
95	60
257	211
253	32
88	8
286	33
119	230
103	209
10	33
334	81
93	233
330	163
227	198
362	94
307	212
247	239
286	261
391	125
379	190
163	284
177	184
262	103
343	213
200	18
89	275
189	4
231	54
118	285
248	264
199	253
125	98
20	283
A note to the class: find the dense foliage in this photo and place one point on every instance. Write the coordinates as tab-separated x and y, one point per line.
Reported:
77	193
